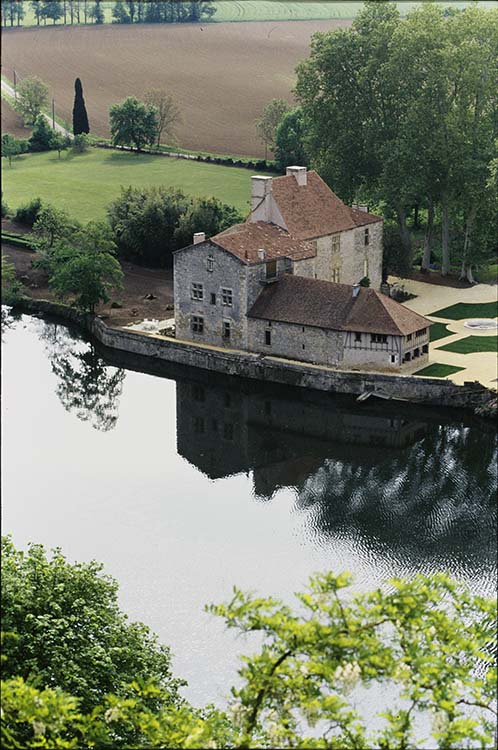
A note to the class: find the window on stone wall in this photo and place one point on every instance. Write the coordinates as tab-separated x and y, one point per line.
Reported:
336	243
268	338
357	337
226	329
210	263
393	359
336	275
367	236
271	269
425	348
197	291
197	324
365	267
213	298
227	297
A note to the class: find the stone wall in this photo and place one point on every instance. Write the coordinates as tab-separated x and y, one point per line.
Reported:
306	343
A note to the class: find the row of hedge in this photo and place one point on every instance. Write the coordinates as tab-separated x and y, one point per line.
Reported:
261	165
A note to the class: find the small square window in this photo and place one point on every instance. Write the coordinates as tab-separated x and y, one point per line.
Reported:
226	297
268	338
226	329
197	291
197	324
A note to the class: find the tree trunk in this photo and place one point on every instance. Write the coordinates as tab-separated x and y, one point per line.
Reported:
426	260
466	269
416	223
406	240
445	238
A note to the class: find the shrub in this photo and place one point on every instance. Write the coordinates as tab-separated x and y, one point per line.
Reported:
28	213
5	208
81	143
42	135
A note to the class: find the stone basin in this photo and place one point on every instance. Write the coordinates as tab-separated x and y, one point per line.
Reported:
481	324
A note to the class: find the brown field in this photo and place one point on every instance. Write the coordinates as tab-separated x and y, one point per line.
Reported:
12	122
220	74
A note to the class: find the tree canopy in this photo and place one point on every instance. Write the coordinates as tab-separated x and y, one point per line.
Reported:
417	644
267	124
32	97
403	114
133	123
80	117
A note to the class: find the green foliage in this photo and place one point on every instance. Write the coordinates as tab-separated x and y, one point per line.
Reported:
438	370
12	147
5	208
11	287
59	142
28	213
50	226
207	215
80	117
365	281
41	136
69	633
81	143
32	97
266	126
133	123
289	140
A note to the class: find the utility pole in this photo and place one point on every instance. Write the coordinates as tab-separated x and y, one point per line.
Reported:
15	86
53	114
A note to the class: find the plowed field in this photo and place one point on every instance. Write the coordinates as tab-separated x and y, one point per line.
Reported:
12	122
221	75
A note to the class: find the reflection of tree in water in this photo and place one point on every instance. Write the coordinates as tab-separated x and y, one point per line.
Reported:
87	387
434	497
8	319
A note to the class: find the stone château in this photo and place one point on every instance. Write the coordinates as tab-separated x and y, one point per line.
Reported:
286	282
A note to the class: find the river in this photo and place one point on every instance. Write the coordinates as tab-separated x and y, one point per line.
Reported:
184	484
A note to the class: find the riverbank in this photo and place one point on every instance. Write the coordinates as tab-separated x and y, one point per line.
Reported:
430	391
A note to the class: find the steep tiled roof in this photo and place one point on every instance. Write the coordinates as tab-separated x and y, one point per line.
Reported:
311	302
313	210
244	241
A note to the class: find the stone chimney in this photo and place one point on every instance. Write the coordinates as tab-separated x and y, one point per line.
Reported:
260	198
300	173
199	237
261	254
360	207
356	290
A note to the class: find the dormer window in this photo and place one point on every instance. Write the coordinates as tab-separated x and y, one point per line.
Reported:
210	263
271	269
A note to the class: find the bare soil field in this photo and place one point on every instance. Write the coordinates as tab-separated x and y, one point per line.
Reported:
12	122
221	75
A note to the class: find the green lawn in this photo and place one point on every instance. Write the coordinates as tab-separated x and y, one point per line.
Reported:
463	310
274	10
438	331
437	370
488	275
84	184
472	344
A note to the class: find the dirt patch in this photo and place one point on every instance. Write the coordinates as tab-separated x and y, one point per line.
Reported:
13	123
435	278
138	283
221	74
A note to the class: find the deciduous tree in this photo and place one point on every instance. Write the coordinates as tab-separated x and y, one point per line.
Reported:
32	95
133	123
167	113
11	146
266	126
289	140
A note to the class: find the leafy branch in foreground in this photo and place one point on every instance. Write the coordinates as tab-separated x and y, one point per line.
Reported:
419	643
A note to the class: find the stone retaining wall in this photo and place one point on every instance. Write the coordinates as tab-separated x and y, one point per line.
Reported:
433	391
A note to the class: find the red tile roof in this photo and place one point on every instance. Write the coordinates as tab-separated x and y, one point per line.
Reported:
324	304
313	210
244	241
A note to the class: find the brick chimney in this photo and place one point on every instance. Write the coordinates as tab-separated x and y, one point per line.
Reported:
260	198
199	237
300	173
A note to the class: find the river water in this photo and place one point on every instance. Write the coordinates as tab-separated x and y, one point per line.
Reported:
184	484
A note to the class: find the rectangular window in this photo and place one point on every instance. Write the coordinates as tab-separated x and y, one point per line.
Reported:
226	329
197	291
409	337
271	269
268	338
422	332
336	275
357	336
197	324
226	297
213	298
336	243
210	263
425	348
378	338
393	359
365	268
367	236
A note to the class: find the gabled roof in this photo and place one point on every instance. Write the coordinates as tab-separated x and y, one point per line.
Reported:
244	241
324	304
313	210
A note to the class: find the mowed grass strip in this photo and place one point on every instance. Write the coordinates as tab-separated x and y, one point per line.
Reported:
85	184
438	370
472	344
438	331
463	310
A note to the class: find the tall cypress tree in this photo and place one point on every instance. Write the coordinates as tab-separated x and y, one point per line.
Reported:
80	117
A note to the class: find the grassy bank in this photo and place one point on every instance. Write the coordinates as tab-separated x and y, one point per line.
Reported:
83	185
